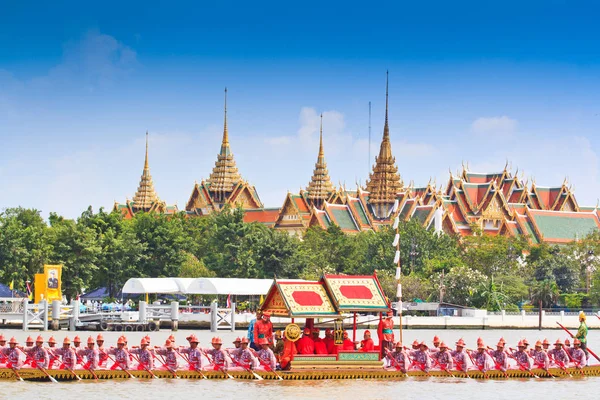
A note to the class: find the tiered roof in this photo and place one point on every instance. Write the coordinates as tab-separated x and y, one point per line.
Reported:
225	174
384	182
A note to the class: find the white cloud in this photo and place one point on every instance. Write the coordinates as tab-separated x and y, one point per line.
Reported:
488	125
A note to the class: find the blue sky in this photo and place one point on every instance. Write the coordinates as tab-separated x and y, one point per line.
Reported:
473	82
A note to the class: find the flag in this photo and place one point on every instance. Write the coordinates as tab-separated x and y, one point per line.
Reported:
228	301
262	299
12	285
29	292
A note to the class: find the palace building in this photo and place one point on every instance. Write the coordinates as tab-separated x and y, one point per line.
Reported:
492	203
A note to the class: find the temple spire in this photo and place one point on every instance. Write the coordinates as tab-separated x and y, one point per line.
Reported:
320	188
384	182
225	173
145	197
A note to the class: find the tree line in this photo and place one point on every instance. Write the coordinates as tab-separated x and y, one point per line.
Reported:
101	249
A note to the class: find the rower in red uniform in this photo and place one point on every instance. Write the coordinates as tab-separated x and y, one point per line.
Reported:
144	356
398	359
77	348
367	343
568	347
40	354
2	347
443	358
481	358
122	360
266	357
244	359
68	356
169	355
578	355
540	357
385	331
102	353
499	357
421	360
263	328
329	341
90	354
558	355
14	355
546	344
320	347
28	350
459	356
52	353
305	345
220	359
194	355
522	357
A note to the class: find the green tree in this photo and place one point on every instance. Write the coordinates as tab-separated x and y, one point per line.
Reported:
545	293
24	246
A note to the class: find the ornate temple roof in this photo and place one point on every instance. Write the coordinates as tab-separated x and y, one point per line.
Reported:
320	187
384	182
225	174
145	197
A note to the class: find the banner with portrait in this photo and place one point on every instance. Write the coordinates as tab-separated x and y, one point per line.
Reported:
52	279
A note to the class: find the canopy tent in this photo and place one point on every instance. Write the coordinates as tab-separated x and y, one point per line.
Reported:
293	298
233	286
157	285
356	293
331	296
6	292
224	286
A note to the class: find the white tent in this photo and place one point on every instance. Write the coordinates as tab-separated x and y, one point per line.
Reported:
224	286
228	286
157	285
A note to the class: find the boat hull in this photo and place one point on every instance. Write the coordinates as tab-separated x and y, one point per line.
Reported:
304	374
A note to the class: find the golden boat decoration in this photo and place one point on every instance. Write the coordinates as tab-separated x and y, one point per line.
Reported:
313	373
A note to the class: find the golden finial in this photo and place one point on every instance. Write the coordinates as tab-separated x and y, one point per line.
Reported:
321	152
146	160
225	132
386	130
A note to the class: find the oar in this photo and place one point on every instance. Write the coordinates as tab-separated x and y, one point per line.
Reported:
522	367
120	366
17	374
166	366
144	366
398	367
573	336
480	368
73	372
188	361
46	373
227	374
560	364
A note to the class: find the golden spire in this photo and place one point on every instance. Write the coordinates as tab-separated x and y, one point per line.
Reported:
384	182
320	187
145	197
225	173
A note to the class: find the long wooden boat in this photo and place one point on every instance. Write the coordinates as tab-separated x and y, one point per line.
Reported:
347	372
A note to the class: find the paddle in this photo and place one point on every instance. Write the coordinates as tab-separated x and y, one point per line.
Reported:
72	372
398	367
435	360
166	366
46	373
560	364
480	368
522	367
188	361
17	375
143	365
120	366
227	374
573	336
257	376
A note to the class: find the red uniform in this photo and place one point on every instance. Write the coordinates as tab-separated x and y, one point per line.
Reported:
305	345
289	351
69	358
367	345
170	357
40	358
329	344
263	330
385	331
320	347
145	357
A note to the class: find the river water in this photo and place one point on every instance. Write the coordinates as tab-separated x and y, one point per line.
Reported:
410	388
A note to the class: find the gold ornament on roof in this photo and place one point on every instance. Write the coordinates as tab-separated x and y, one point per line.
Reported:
320	188
145	197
